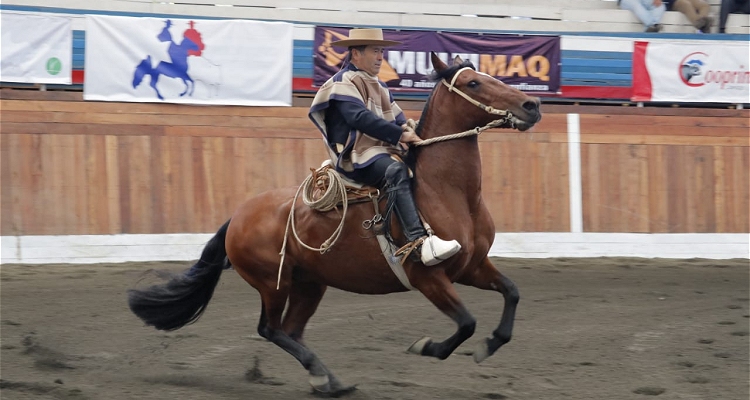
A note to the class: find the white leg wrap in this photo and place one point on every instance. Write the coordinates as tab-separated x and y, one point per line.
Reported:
417	346
320	383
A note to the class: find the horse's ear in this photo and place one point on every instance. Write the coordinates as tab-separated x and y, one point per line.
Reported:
458	60
437	62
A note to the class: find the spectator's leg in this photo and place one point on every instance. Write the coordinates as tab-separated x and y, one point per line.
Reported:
726	6
656	13
637	8
687	7
701	7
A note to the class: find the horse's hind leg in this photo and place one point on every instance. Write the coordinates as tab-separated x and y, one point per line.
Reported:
487	277
304	297
440	291
270	328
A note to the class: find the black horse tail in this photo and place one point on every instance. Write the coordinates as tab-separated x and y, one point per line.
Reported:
183	299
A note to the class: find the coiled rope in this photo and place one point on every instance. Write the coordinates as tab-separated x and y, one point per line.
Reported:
335	192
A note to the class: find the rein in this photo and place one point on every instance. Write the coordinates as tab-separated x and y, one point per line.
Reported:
505	116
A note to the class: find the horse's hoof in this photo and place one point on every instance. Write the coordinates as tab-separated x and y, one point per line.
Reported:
333	391
482	351
320	384
342	391
418	346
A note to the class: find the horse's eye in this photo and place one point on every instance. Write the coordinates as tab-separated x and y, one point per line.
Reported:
472	84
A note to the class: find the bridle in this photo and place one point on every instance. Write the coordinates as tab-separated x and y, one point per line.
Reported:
507	119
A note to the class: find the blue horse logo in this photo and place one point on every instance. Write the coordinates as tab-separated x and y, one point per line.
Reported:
191	44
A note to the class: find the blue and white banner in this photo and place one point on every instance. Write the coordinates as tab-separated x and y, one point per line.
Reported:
191	61
36	48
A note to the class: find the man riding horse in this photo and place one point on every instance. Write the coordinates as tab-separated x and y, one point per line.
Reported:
366	132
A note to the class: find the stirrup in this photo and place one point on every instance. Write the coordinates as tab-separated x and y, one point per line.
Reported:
435	250
408	249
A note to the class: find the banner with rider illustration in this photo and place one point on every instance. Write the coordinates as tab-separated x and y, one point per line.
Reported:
530	62
691	72
191	61
42	54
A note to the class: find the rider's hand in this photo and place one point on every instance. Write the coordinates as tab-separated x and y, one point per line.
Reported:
408	135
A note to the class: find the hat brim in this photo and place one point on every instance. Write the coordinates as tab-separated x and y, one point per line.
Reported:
364	42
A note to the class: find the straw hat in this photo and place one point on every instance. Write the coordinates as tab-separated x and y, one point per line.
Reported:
365	37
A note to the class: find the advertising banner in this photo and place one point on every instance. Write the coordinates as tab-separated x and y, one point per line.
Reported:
530	63
691	72
232	62
36	48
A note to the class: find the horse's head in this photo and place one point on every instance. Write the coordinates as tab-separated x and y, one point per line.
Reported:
485	98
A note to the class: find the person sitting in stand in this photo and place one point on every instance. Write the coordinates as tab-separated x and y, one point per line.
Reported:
649	12
731	7
364	127
696	12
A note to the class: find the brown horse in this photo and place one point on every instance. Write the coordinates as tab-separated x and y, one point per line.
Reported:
447	188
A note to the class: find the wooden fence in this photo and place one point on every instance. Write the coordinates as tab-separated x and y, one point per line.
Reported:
73	167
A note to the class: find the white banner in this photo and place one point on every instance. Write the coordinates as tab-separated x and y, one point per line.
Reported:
36	48
235	62
706	72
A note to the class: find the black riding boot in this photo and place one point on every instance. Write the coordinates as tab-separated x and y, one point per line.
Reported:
397	182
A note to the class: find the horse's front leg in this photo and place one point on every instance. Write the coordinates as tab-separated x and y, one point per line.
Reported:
487	277
187	86
440	291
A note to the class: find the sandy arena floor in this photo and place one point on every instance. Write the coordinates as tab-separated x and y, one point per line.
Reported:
586	329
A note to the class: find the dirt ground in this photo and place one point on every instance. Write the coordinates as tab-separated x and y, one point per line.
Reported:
603	328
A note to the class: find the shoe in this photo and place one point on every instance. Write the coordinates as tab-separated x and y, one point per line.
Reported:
653	28
435	250
706	23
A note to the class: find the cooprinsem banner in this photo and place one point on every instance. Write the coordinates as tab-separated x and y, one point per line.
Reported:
701	71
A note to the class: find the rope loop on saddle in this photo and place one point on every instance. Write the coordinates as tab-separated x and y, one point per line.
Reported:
323	189
311	187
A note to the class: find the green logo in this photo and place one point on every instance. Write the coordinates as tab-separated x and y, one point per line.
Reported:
54	66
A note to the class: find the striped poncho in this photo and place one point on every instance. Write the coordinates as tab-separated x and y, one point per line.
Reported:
360	149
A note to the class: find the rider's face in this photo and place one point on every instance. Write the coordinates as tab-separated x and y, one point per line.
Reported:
369	60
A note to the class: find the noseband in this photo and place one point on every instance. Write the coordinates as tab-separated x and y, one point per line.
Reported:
486	108
507	119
